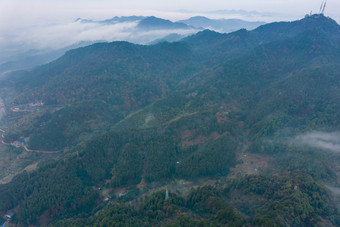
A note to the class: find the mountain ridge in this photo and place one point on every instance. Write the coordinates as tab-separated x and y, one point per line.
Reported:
154	23
96	68
221	25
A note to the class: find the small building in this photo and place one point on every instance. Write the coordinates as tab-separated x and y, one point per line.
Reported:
10	215
18	143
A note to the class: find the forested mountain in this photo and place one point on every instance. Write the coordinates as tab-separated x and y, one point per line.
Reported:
227	113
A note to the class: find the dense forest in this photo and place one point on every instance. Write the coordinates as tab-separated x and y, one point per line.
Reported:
237	129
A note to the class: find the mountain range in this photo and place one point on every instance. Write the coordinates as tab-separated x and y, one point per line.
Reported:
138	29
229	129
198	22
221	25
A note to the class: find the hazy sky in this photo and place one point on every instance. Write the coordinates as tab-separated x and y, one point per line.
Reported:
43	22
16	12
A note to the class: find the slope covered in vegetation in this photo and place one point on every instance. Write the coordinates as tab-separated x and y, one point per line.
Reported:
133	119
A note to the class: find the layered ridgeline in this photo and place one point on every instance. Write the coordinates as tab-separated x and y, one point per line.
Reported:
124	77
253	111
136	29
222	25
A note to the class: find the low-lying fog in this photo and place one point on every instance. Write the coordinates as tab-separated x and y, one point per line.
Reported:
323	140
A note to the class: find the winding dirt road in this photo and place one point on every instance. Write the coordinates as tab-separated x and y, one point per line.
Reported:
25	147
2	113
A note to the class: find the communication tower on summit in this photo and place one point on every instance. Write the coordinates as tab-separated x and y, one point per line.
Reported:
323	7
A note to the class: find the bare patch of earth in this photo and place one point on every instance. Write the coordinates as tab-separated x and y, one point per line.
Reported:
249	164
199	139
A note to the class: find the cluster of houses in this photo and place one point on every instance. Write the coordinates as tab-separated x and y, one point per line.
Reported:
29	105
10	215
35	104
18	143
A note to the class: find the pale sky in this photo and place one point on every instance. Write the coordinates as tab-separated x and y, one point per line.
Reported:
16	12
40	23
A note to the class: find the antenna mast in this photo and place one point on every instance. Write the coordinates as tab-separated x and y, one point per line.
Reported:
321	7
324	7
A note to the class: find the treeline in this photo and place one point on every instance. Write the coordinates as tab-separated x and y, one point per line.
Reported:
203	207
118	73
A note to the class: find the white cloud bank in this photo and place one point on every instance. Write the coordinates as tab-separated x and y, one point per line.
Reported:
322	140
60	35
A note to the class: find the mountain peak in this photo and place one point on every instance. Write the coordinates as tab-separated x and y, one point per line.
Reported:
158	23
205	35
290	29
319	20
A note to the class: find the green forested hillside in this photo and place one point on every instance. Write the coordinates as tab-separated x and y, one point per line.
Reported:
218	119
118	73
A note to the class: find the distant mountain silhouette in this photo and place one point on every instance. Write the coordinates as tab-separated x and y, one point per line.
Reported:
222	25
113	20
154	23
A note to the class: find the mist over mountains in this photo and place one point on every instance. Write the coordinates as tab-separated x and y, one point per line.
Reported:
182	133
51	41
